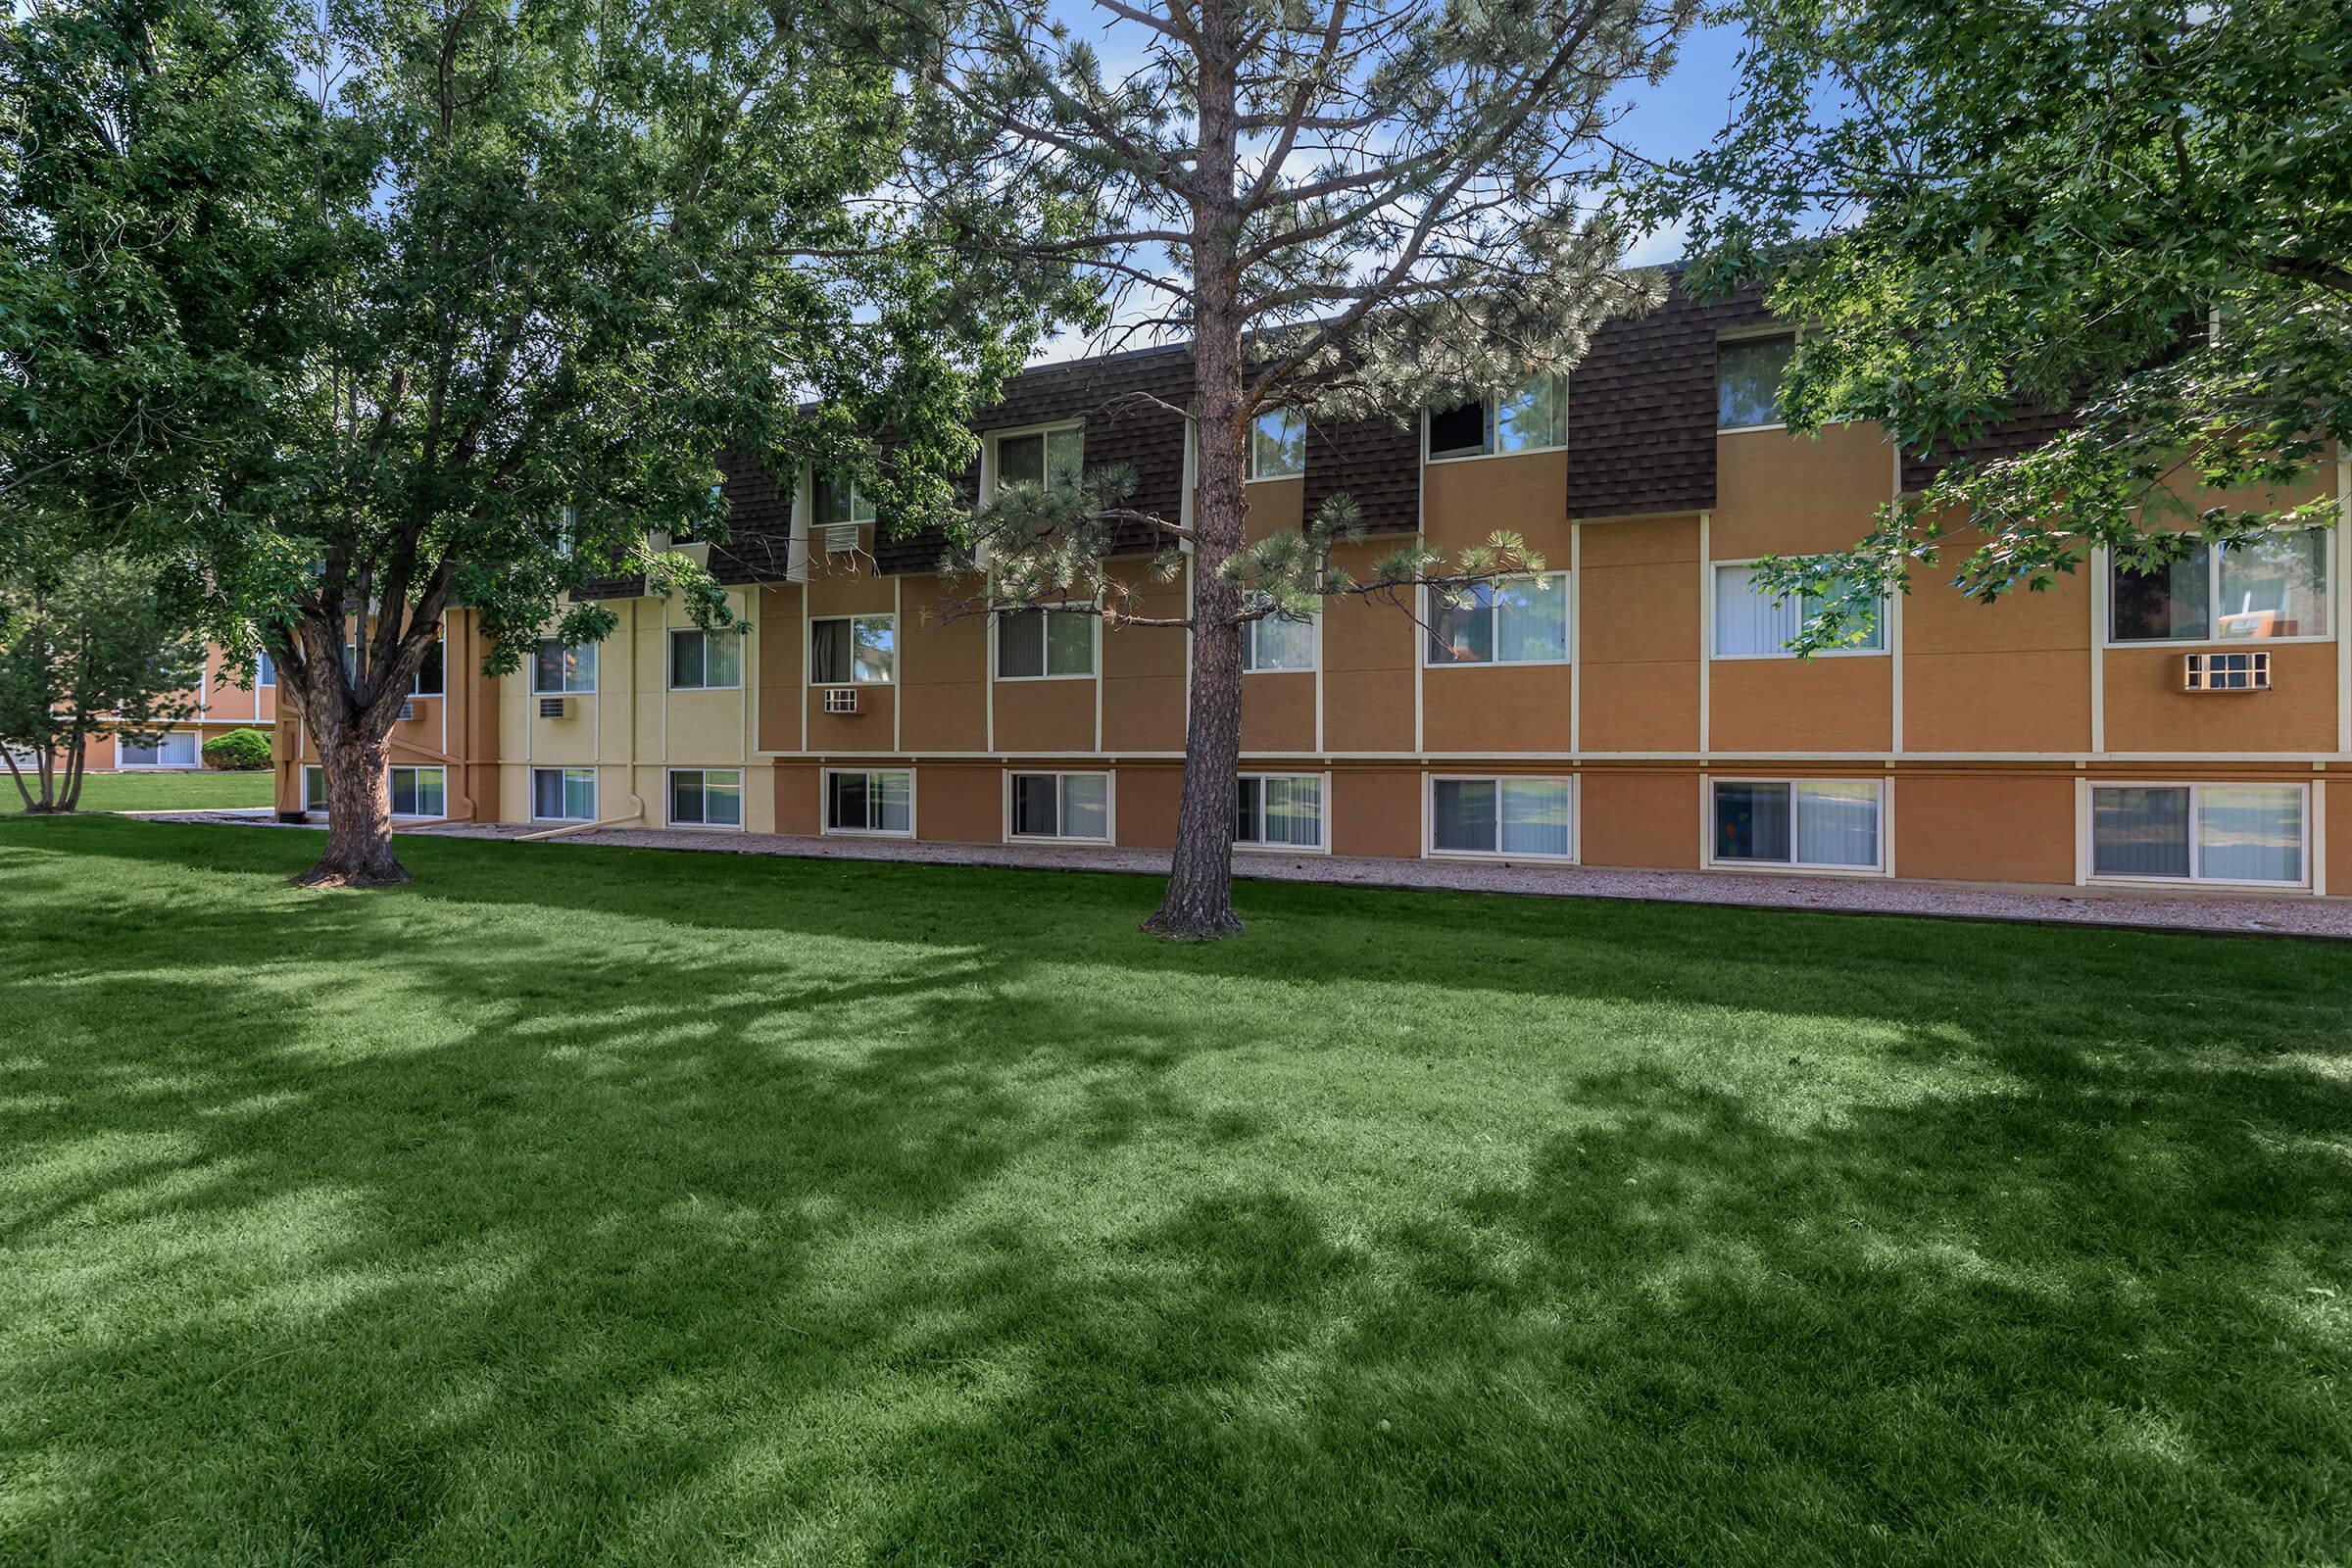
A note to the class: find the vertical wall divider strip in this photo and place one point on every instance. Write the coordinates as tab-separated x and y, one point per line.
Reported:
660	651
2340	610
1576	648
2099	650
1706	631
2082	831
2316	833
898	649
1418	663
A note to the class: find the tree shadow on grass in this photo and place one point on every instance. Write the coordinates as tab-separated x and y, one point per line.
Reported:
773	1224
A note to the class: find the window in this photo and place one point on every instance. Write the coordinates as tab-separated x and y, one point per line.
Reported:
704	660
706	798
853	651
1278	444
1061	806
2200	832
1748	381
1526	816
1830	824
1510	620
838	499
1281	810
1531	419
2273	587
264	670
313	788
563	794
870	803
417	791
175	748
1039	644
1278	642
1041	456
430	679
559	669
1750	624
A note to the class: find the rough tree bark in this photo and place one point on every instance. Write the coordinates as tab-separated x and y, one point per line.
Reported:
1199	903
354	745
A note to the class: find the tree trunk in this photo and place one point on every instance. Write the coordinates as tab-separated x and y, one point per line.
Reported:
1199	903
78	763
353	746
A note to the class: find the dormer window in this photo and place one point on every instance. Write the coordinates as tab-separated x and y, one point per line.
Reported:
1748	381
837	499
1530	417
1041	456
1278	445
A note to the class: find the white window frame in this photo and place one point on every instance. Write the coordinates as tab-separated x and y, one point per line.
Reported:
587	691
1429	819
195	755
995	631
2106	568
418	768
1110	803
1429	618
2087	803
1314	638
264	670
1249	474
825	797
1707	825
998	438
809	652
533	786
669	800
1493	417
862	510
1726	340
670	652
1715	654
1322	846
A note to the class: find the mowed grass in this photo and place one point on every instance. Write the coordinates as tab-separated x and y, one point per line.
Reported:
163	792
596	1207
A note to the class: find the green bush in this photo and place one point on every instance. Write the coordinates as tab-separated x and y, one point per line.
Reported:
240	751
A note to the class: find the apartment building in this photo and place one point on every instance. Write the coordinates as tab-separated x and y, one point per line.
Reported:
222	706
1633	706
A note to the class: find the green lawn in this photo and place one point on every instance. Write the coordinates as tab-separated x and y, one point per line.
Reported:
597	1206
162	792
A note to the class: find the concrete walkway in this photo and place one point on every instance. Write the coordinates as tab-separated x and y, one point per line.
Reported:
2170	910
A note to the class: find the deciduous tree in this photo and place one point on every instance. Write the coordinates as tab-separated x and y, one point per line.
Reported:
351	316
2136	211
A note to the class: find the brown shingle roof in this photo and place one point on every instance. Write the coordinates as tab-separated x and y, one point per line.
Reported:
1642	408
1375	461
2029	428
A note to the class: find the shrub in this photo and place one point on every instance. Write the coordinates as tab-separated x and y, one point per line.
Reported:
239	751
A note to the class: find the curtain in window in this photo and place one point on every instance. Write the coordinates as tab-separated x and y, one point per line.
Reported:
1748	623
1086	806
829	651
722	800
1535	817
1531	622
686	659
1838	823
1751	823
893	798
1294	811
2137	832
722	659
1069	643
2250	832
1277	644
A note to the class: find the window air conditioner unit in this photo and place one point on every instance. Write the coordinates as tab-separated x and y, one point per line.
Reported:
841	700
408	709
554	707
2248	671
841	538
